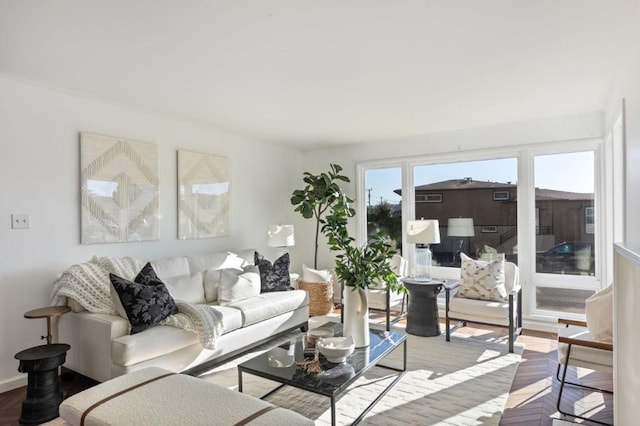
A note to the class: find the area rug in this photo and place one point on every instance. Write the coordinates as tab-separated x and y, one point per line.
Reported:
462	382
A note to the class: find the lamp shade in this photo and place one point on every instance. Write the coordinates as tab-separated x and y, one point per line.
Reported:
423	232
460	227
280	236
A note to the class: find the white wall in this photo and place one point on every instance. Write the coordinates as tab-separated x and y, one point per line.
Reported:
629	88
39	175
626	381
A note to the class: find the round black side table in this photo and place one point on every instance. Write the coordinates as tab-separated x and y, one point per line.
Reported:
422	315
43	384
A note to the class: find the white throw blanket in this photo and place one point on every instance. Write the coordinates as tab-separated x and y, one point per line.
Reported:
204	320
89	285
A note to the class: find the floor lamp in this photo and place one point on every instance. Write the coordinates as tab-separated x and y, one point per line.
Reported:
422	233
460	227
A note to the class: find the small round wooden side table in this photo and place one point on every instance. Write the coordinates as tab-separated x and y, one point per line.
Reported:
48	313
43	384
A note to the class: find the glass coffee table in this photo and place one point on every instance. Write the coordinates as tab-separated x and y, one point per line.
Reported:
334	379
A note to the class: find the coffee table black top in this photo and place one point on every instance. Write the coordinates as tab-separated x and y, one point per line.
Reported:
334	378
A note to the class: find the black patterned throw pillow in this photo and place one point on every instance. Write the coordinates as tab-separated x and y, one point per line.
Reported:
273	277
145	300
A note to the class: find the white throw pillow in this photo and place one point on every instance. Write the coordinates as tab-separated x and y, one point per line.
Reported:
238	284
599	312
211	283
482	280
117	304
310	275
187	288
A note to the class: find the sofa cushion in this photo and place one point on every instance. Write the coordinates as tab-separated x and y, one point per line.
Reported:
162	339
171	267
211	284
268	305
482	280
187	288
231	318
274	277
154	342
478	308
224	260
238	284
145	300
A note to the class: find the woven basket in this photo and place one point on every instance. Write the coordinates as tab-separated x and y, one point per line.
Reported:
320	296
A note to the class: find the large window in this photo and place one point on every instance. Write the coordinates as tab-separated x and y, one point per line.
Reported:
565	220
384	209
539	207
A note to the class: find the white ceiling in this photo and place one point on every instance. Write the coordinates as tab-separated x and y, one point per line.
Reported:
315	73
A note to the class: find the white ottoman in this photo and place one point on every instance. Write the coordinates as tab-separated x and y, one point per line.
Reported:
154	396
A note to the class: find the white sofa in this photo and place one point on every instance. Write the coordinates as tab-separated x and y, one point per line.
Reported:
102	348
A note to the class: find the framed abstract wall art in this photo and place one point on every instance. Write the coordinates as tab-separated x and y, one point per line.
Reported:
204	196
119	189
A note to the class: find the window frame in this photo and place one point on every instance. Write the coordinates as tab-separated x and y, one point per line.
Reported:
495	198
525	195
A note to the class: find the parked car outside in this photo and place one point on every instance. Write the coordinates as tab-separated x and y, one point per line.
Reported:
573	257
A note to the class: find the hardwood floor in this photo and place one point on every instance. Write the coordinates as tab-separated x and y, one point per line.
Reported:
534	392
532	399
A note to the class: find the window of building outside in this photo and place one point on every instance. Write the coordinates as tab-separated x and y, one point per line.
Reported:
565	230
469	192
383	201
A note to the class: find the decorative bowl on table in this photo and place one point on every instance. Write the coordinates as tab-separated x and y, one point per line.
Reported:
317	333
336	349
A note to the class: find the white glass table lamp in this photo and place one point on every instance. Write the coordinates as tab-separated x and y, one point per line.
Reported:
280	236
422	233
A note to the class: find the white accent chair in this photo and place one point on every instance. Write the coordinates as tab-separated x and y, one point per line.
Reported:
506	314
577	347
381	299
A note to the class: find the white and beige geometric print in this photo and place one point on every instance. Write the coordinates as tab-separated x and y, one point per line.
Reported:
119	189
204	195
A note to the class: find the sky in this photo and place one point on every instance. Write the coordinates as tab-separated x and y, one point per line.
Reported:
572	172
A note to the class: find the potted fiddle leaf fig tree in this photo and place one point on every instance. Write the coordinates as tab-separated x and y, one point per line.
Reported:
356	267
319	195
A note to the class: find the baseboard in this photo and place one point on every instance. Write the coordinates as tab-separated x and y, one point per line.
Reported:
14	383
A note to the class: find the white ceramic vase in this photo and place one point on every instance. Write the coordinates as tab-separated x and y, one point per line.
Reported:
356	316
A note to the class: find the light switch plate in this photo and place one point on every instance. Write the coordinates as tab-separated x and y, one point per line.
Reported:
20	221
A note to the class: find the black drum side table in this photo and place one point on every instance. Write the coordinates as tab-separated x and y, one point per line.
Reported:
422	315
43	384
